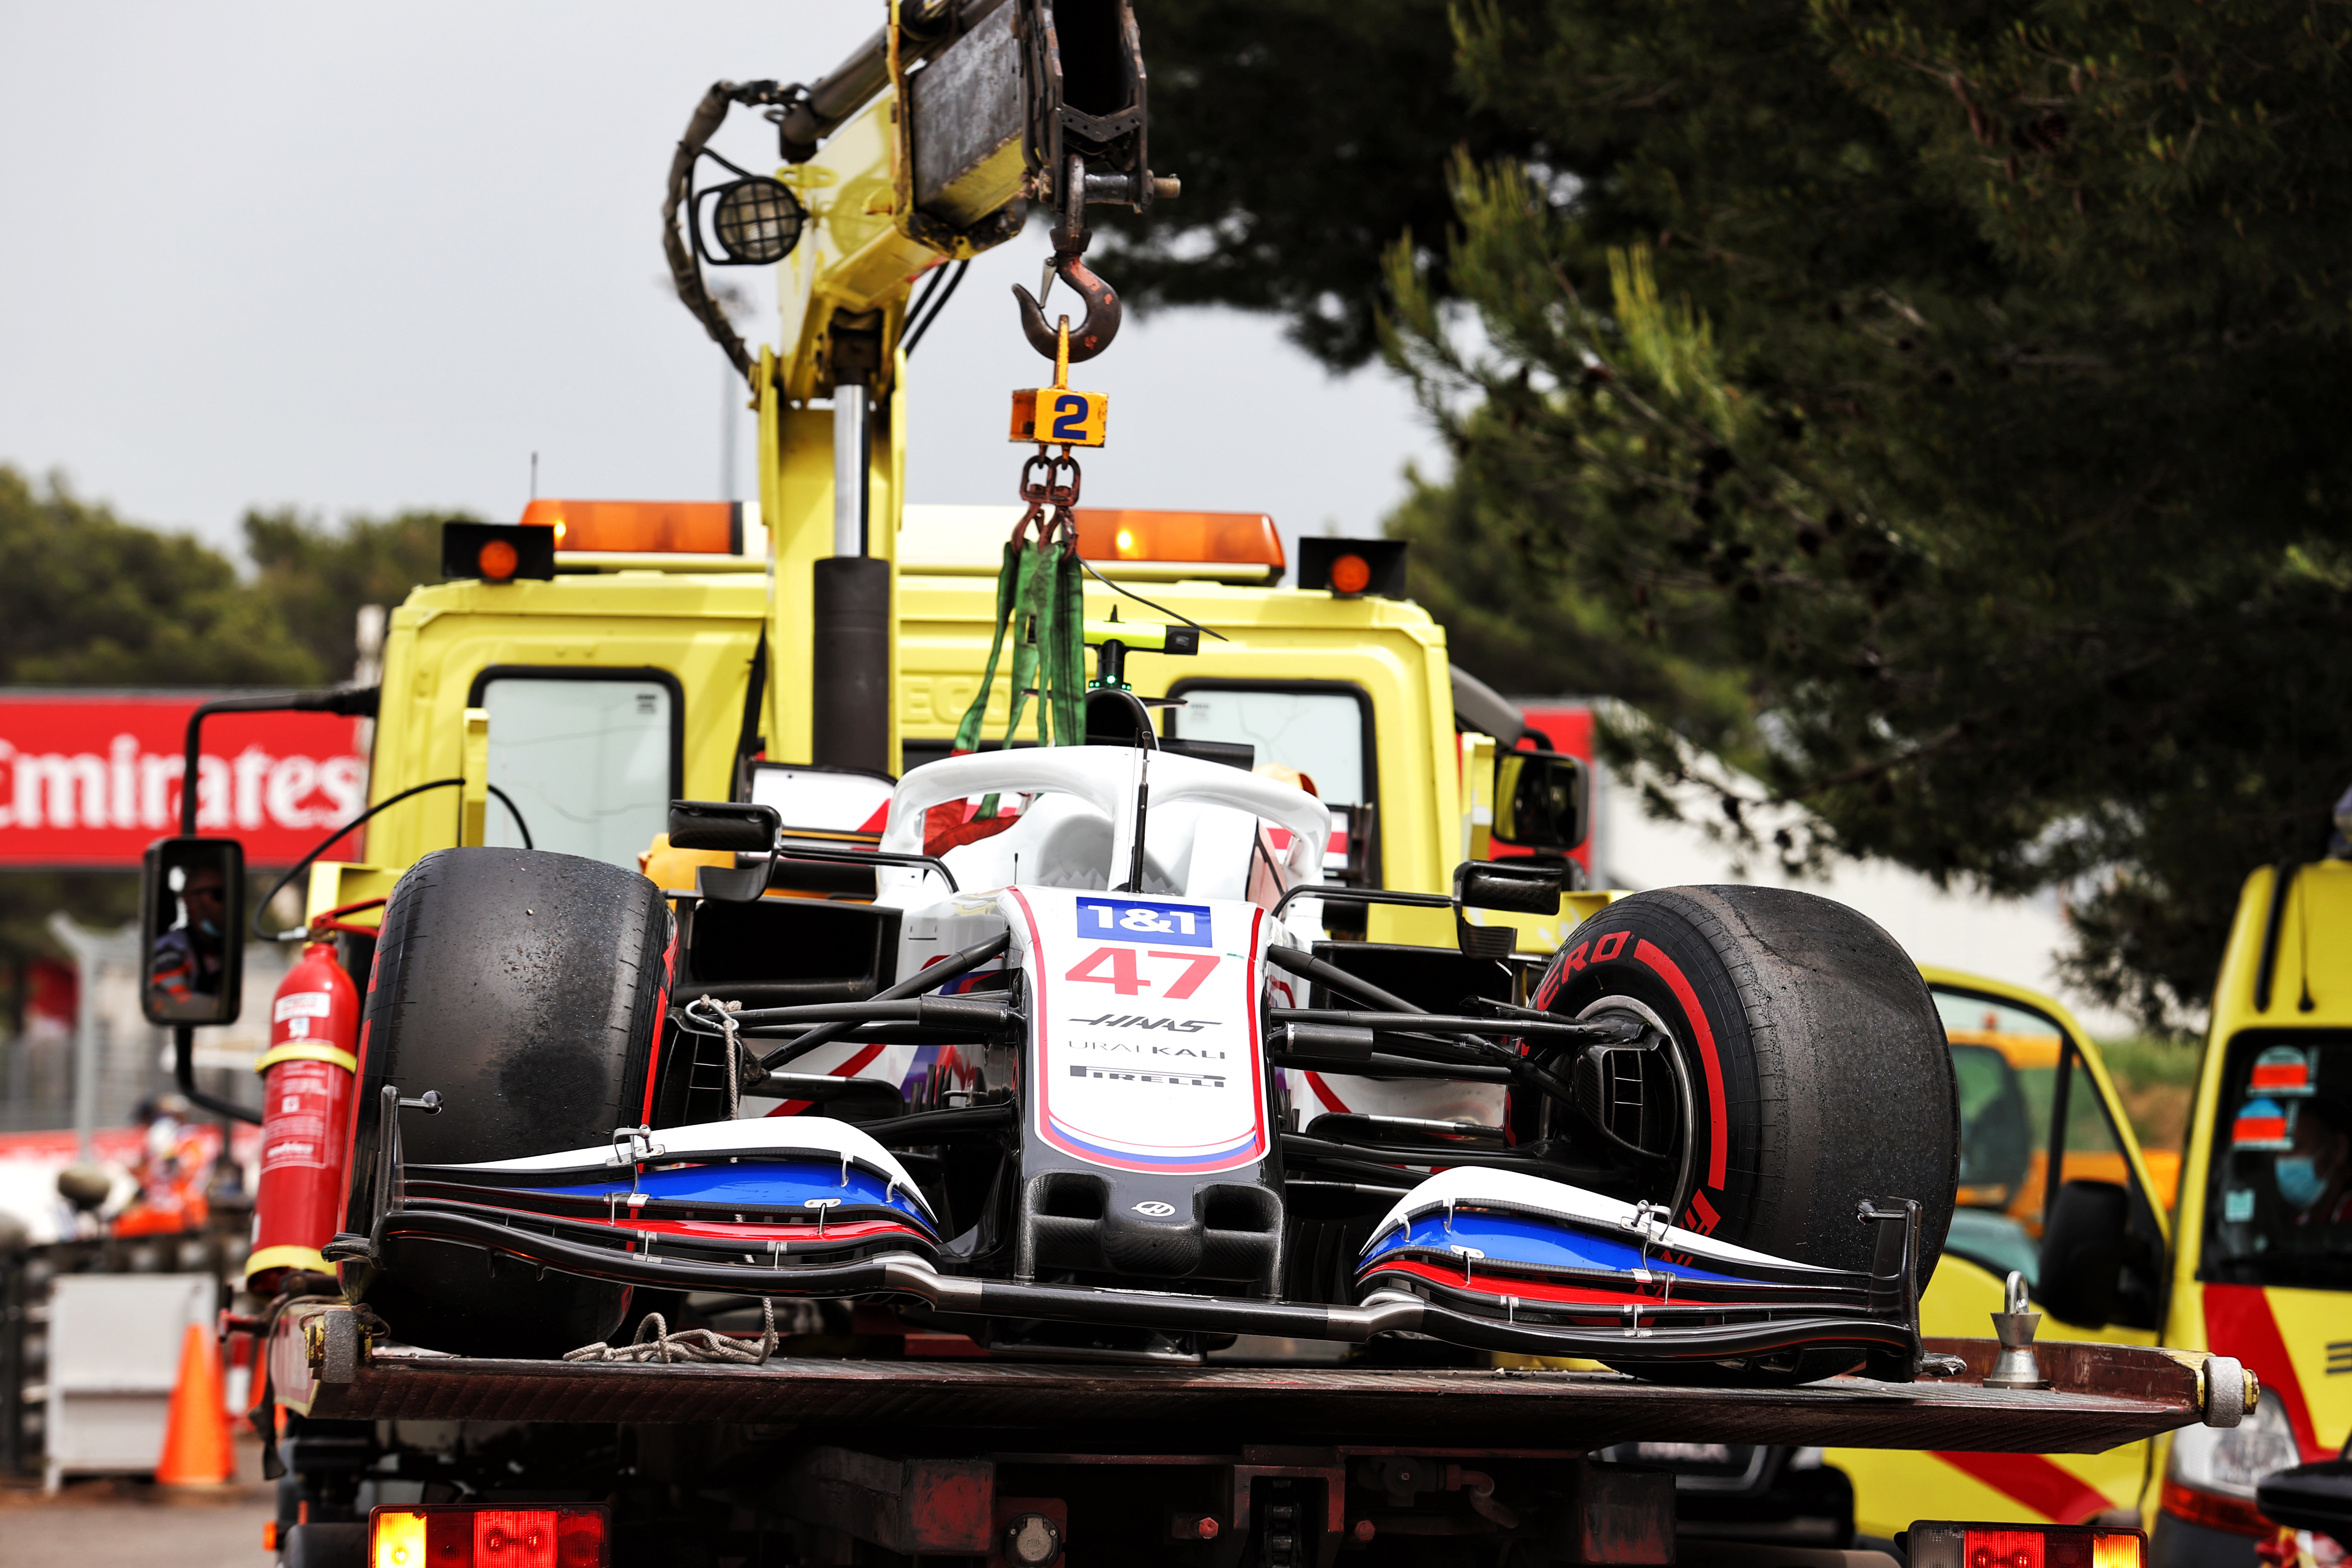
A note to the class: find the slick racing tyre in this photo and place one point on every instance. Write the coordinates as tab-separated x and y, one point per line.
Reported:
528	989
1818	1070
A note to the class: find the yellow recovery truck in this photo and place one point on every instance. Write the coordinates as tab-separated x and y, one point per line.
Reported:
770	1138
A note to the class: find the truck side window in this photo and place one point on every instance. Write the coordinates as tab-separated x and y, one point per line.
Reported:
2008	1061
593	761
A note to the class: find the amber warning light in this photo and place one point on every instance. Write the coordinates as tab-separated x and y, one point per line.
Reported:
641	527
1230	538
575	1535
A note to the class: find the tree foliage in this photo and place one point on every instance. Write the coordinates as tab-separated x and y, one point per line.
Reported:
318	576
89	599
1932	408
1966	387
1308	136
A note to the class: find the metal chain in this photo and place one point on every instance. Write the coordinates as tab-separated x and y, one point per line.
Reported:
656	1343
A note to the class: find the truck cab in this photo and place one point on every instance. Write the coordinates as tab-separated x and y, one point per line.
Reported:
2093	1246
2264	1268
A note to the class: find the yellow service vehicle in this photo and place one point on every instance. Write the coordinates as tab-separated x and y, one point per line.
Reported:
2240	1245
2263	1268
2093	1247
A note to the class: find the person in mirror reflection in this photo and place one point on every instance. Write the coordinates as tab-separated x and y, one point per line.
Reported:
186	963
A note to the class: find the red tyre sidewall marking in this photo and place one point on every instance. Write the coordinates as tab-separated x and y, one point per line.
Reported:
1703	1034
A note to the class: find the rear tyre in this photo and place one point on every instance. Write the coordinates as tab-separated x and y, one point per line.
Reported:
1820	1069
527	988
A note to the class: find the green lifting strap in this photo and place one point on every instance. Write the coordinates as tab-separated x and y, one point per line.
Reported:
1041	598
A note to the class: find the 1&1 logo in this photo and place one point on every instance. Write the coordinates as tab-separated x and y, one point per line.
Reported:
1120	919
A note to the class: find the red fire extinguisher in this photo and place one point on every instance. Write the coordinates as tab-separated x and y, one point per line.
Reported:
308	1074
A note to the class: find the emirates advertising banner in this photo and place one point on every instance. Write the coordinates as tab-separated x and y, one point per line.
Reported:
89	779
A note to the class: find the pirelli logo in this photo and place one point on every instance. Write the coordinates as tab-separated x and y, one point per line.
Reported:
1124	1075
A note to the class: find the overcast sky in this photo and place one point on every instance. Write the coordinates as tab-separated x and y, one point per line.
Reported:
361	256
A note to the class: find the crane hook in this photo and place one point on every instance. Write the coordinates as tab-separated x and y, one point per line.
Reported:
1089	335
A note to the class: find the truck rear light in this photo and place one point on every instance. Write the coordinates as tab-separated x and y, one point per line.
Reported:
2214	1510
574	1535
495	552
1941	1543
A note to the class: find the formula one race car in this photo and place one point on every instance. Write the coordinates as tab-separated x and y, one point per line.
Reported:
1089	1081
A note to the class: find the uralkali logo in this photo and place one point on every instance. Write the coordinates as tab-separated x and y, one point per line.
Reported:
89	779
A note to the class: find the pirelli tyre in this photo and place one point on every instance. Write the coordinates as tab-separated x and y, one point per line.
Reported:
527	989
1819	1071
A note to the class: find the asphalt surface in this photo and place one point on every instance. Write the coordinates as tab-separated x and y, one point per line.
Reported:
121	1523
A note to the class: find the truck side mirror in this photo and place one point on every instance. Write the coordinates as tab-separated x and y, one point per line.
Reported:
191	931
2082	1253
724	824
1542	801
1507	886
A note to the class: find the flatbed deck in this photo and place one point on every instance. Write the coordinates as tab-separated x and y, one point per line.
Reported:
2103	1395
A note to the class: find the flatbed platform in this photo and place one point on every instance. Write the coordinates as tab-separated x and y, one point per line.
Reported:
2103	1395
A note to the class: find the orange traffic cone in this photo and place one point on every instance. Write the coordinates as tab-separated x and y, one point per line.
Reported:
195	1439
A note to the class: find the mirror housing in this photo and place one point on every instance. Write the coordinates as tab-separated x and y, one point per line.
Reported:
192	926
1509	885
744	828
739	825
2082	1253
1543	801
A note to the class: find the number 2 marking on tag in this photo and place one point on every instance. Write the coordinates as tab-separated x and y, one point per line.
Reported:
1069	418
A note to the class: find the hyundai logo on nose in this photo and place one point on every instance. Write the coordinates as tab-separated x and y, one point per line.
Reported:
1155	1208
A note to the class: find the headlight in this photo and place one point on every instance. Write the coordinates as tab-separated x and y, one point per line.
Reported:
2231	1461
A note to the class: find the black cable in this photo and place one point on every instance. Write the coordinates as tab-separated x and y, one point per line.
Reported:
945	293
1148	605
328	842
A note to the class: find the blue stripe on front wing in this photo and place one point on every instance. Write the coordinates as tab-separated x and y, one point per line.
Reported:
1507	1239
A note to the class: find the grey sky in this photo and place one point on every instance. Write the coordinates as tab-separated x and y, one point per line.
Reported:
365	255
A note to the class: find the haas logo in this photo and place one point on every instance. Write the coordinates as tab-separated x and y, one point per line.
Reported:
1154	1208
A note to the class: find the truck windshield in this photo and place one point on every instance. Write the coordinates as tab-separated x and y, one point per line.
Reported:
2278	1207
592	763
1318	731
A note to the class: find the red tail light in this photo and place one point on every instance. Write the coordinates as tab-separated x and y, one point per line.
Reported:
2214	1510
575	1535
1940	1544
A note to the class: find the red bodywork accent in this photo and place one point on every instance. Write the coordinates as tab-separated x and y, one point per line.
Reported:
2044	1488
2238	1322
661	1014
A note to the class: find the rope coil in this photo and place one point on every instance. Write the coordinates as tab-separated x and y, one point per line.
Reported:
655	1342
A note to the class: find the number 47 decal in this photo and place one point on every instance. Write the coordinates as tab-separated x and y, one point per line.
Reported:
1123	977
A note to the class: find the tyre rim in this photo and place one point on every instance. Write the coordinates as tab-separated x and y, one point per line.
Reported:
1685	1098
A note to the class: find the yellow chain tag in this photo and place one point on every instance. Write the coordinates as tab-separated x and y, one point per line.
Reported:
1059	415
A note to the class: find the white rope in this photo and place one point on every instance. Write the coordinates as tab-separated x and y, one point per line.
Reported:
655	1342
